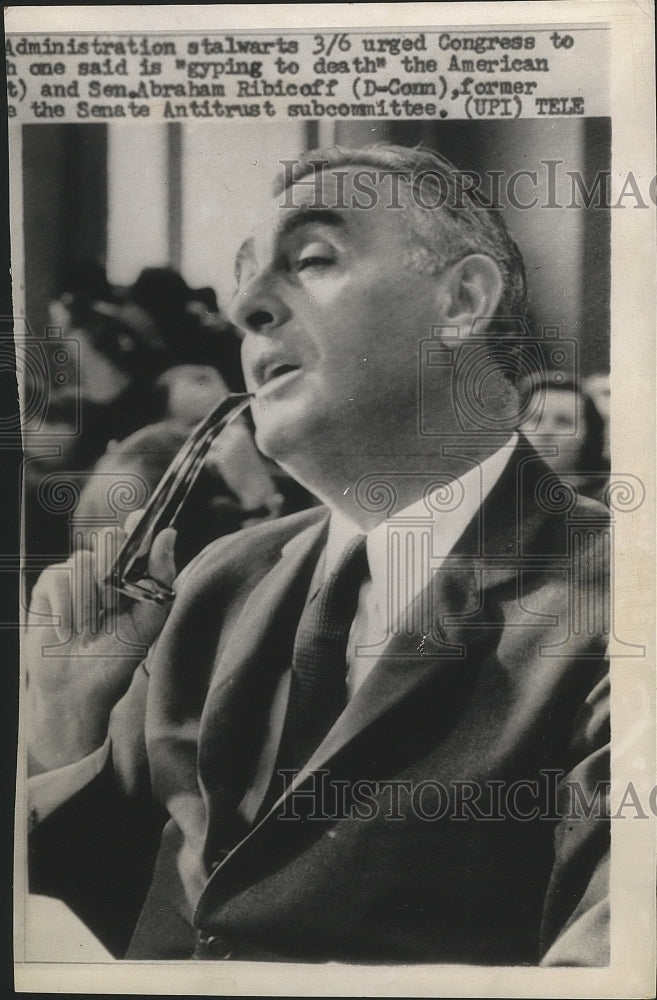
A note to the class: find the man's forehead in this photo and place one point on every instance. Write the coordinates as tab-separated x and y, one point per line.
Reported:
327	196
330	186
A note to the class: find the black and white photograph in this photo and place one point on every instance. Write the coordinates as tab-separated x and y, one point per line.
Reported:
334	344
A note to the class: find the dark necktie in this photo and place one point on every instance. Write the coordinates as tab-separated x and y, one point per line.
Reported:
318	686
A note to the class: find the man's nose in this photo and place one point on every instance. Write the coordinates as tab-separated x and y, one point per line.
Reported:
257	308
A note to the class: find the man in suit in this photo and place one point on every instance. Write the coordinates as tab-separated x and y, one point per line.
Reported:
361	730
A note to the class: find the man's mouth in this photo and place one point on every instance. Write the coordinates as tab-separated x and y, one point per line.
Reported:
272	371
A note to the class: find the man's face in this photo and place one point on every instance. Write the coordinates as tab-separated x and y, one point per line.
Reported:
598	389
333	320
561	426
193	391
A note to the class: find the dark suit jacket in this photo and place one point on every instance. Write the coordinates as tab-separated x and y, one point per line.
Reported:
482	722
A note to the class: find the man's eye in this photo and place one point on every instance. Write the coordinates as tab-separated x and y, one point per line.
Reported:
312	261
314	255
305	263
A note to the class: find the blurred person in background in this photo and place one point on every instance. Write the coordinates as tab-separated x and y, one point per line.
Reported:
567	430
187	393
128	338
163	309
107	393
598	389
67	443
81	283
117	363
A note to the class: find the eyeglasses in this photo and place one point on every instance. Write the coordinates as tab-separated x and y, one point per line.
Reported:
128	573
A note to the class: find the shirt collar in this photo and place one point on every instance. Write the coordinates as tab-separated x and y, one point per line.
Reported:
447	514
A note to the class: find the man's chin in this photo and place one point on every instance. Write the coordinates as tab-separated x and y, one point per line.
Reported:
276	439
288	436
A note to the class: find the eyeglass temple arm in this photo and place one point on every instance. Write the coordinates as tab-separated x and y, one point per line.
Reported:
129	571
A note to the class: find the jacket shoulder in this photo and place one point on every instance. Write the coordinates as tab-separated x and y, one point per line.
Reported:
246	553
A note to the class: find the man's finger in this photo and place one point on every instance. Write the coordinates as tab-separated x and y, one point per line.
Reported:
161	564
51	605
132	520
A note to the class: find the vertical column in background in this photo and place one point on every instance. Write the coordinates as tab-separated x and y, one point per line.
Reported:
226	170
138	204
174	193
64	207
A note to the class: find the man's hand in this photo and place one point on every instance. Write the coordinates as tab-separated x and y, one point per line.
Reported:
82	647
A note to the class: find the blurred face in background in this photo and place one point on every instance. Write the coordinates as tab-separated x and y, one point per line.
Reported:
597	386
101	380
561	425
193	390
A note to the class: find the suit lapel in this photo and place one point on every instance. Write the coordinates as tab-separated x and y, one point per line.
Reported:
242	687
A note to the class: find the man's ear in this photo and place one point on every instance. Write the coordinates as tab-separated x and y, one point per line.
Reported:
470	289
